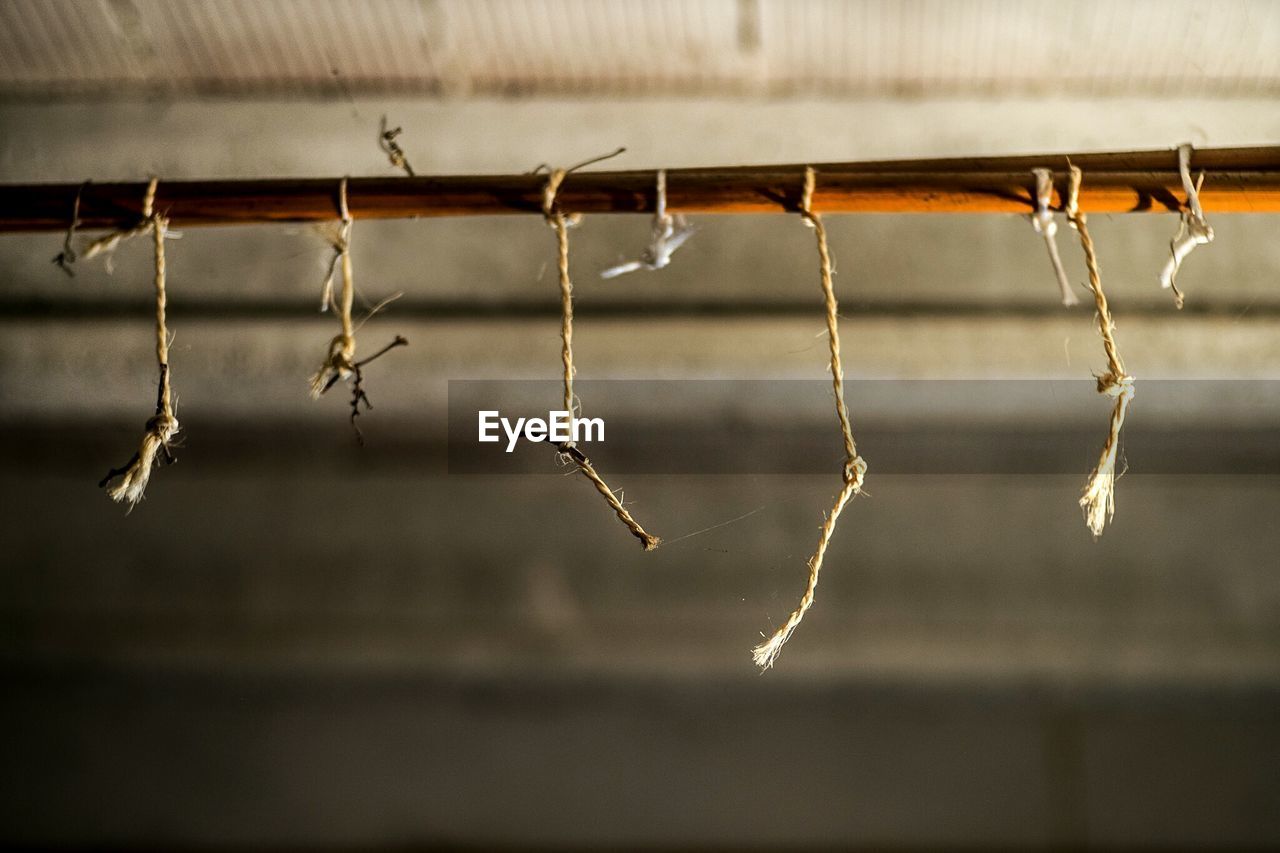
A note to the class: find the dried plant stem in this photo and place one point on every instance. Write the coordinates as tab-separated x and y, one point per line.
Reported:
395	154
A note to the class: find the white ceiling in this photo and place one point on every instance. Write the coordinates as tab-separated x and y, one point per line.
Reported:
641	47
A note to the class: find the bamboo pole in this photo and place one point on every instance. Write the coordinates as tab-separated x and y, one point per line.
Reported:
1237	180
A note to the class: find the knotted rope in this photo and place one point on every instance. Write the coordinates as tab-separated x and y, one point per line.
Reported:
855	469
163	427
1098	500
560	223
1042	220
339	362
1193	229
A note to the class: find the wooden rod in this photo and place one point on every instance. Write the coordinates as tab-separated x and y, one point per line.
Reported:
1237	180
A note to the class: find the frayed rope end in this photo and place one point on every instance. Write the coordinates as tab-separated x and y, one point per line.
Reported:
337	365
1098	501
161	431
767	652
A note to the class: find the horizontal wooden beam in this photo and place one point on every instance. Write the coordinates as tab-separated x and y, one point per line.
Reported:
1237	180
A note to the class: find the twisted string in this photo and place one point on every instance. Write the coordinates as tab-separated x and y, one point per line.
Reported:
108	243
855	469
1098	501
558	221
163	427
339	361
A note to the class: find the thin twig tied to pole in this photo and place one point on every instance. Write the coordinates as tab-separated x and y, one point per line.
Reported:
1193	229
157	444
855	469
395	154
669	233
1098	501
66	259
339	362
1042	220
560	223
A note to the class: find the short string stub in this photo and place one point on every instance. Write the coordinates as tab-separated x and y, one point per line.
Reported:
1043	222
1193	229
669	233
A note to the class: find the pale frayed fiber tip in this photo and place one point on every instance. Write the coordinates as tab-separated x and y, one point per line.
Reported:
1098	501
767	652
133	482
337	365
320	380
317	383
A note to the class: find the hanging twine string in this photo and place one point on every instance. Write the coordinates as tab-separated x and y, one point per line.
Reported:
669	233
1042	220
556	219
1193	229
163	427
1098	501
561	223
855	469
339	362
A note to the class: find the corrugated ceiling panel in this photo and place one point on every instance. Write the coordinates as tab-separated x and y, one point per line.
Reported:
663	47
